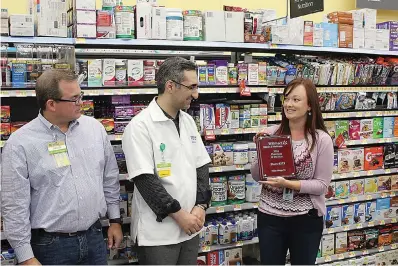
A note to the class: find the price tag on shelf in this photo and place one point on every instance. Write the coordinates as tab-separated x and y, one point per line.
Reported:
20	93
118	137
340	256
237	207
371	224
359	226
346	228
328	259
369	197
365	141
239	243
365	252
354	199
393	246
351	254
206	249
371	172
393	220
225	131
356	174
331	231
342	201
387	171
80	40
381	249
379	113
384	195
5	93
368	114
219	209
2	143
209	135
239	131
392	194
382	222
217	169
108	92
240	167
271	118
359	114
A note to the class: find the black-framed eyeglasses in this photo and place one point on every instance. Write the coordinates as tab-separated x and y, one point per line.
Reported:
192	87
76	101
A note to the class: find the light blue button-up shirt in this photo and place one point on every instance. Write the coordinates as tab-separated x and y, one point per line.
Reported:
37	194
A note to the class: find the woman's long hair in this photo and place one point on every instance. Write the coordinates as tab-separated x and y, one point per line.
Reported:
314	121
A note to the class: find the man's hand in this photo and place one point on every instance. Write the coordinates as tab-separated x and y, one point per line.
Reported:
32	261
200	213
187	221
115	236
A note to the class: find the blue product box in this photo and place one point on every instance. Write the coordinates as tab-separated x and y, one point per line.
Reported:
330	35
333	217
370	211
347	215
388	127
18	75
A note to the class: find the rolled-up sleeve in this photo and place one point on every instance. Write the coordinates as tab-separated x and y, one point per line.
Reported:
111	180
15	200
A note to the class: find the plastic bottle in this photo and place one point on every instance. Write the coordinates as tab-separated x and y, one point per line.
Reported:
253	189
174	24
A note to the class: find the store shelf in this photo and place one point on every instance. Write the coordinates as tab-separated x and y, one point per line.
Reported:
221	169
37	40
359	198
338	88
364	173
253	89
236	131
228	246
354	254
18	93
369	141
231	208
359	226
356	114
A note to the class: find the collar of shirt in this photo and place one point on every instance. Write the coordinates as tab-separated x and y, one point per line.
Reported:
50	126
158	114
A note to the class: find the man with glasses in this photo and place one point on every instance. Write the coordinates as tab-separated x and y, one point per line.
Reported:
168	162
59	177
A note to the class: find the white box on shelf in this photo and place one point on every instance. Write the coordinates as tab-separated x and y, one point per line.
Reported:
4	13
4	31
234	26
383	39
85	31
158	26
369	17
357	17
143	20
370	39
4	22
214	26
51	18
108	72
359	38
21	19
85	4
280	34
86	17
22	31
296	31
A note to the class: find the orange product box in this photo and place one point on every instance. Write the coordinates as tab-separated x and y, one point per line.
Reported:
341	20
373	158
396	127
5	114
339	14
17	125
5	130
308	33
108	123
346	35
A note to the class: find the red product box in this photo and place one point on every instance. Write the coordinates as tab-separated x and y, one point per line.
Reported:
5	114
5	130
215	257
373	158
355	128
223	116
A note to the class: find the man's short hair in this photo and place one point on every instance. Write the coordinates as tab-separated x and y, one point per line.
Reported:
173	69
47	85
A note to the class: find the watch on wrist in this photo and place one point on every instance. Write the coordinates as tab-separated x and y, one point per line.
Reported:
203	206
116	221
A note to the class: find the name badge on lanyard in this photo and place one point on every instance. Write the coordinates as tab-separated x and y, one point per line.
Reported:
59	152
163	168
288	194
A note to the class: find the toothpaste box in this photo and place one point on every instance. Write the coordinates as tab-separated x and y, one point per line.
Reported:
94	72
108	72
223	117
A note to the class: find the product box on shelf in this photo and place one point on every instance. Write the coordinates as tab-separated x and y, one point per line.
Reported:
357	157
378	127
341	242
135	72
342	128
385	235
5	114
88	108
369	17
318	35
51	17
370	39
355	129
371	185
370	211
108	123
21	25
108	72
234	116
223	116
123	205
252	74
366	130
389	156
357	186
331	128
233	256
106	27
215	258
83	31
347	215
345	35
392	26
81	71
356	240
371	238
382	208
331	193
345	162
382	39
373	158
335	163
342	189
388	127
143	20
308	33
221	72
214	26
333	217
296	31
84	4
357	18
384	183
5	131
327	245
359	212
223	154
330	35
359	38
393	207
158	23
394	182
207	117
234	26
94	72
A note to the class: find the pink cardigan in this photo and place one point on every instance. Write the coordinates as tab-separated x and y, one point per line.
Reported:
322	158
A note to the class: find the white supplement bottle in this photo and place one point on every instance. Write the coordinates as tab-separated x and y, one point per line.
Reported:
174	24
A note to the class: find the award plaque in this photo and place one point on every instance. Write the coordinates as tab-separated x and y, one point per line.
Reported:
275	156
